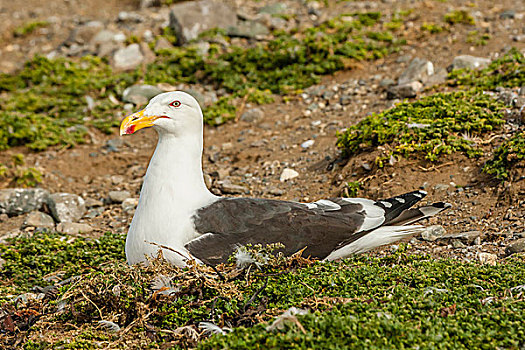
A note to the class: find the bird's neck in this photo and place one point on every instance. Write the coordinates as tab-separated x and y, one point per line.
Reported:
176	166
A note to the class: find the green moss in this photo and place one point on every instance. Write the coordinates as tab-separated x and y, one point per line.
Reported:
477	38
509	155
45	103
282	65
432	28
506	71
459	16
29	28
28	259
431	127
398	301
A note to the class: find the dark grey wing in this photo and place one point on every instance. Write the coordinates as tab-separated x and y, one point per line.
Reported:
231	222
321	226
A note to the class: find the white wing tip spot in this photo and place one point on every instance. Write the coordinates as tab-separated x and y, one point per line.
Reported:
400	200
386	204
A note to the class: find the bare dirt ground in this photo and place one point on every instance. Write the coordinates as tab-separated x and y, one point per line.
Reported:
254	154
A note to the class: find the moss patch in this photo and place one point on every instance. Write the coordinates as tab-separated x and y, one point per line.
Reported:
29	28
432	126
508	156
459	16
27	260
506	71
396	301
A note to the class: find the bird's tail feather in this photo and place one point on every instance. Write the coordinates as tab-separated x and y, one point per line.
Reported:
378	237
413	215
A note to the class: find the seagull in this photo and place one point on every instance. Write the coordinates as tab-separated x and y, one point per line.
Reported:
179	216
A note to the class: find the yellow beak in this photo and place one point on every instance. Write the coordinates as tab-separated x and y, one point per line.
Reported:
136	121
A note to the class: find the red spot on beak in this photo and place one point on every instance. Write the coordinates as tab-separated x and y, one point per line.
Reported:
130	129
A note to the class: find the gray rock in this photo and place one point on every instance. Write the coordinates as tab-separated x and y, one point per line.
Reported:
92	203
470	62
94	212
38	219
163	44
439	77
149	3
276	191
128	57
345	100
16	201
248	29
124	16
274	9
252	115
227	187
507	14
104	36
405	90
433	233
73	228
118	196
384	83
66	207
140	94
288	174
191	18
517	247
114	145
418	70
84	34
129	204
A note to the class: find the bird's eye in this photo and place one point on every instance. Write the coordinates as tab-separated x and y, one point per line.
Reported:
175	104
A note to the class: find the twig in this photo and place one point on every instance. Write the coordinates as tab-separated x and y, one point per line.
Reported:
243	104
95	305
167	248
134	321
435	167
256	294
218	273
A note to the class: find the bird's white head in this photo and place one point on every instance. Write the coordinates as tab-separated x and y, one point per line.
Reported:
176	113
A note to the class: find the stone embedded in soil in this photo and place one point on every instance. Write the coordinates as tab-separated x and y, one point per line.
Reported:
405	90
118	196
91	203
227	187
433	233
17	201
189	19
73	228
163	44
288	174
487	258
307	144
248	29
38	219
128	58
252	115
274	9
66	207
418	70
516	247
470	62
140	94
129	204
439	77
